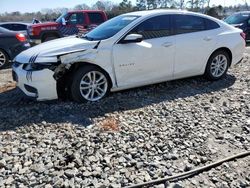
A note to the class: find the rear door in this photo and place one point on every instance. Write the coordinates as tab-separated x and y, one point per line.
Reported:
194	44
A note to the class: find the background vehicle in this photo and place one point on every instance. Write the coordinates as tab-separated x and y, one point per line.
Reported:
16	26
240	20
130	50
11	44
70	23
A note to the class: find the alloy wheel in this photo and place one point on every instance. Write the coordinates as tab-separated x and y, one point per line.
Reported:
93	85
2	59
219	65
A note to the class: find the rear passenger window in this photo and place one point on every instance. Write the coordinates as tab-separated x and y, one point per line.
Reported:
19	27
188	24
95	18
155	27
211	24
7	26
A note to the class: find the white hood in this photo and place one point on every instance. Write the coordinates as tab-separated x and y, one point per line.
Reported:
48	51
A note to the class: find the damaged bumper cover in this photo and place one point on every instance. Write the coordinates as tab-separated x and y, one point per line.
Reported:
39	69
39	84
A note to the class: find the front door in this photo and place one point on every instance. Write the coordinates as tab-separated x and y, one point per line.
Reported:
148	61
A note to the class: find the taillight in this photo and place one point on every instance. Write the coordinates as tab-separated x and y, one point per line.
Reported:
243	35
21	37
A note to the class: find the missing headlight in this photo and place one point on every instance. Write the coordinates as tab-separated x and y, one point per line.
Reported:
38	66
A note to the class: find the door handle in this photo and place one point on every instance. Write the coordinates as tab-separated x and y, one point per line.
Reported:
207	38
167	44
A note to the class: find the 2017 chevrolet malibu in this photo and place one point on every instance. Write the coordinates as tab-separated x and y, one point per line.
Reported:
128	51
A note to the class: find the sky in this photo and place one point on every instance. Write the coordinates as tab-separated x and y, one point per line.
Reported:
36	5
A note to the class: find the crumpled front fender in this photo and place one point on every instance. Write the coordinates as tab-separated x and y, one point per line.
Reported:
83	56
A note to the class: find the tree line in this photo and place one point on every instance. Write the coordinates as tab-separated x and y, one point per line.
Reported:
112	9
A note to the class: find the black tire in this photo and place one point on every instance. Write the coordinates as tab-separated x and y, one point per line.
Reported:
4	58
209	74
81	73
49	37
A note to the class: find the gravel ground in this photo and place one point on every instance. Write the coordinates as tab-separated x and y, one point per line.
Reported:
129	137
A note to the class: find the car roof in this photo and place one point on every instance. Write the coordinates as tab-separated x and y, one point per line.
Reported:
90	11
150	12
164	11
1	23
243	12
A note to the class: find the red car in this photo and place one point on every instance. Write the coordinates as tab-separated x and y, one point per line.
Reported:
70	23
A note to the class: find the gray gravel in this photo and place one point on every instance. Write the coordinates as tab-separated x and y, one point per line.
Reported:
162	130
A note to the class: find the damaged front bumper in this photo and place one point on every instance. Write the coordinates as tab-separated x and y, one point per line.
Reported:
39	84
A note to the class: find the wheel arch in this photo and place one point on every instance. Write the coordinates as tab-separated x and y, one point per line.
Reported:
77	65
227	50
6	52
49	33
207	72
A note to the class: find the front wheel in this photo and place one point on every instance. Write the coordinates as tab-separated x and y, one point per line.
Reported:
89	84
4	59
217	65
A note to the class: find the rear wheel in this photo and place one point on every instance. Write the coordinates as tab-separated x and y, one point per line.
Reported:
4	59
89	84
217	65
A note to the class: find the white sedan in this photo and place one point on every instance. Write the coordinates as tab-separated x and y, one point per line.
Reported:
128	51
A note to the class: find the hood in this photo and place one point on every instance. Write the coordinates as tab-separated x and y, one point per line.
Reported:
48	51
46	24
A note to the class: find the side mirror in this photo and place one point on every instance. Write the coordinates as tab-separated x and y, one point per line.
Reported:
64	22
131	38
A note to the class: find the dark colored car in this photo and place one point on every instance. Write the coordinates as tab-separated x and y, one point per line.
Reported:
240	20
11	44
15	26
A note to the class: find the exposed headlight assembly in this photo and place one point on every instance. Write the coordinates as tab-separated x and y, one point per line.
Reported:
38	66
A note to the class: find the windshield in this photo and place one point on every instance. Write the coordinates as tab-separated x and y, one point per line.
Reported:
59	20
110	27
237	18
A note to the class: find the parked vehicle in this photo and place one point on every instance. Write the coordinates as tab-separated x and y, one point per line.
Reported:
11	44
131	50
15	26
70	23
240	20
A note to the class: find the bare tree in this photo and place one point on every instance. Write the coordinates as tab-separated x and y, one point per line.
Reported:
81	7
103	5
181	4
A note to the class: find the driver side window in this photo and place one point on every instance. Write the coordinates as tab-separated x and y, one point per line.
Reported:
156	27
76	18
